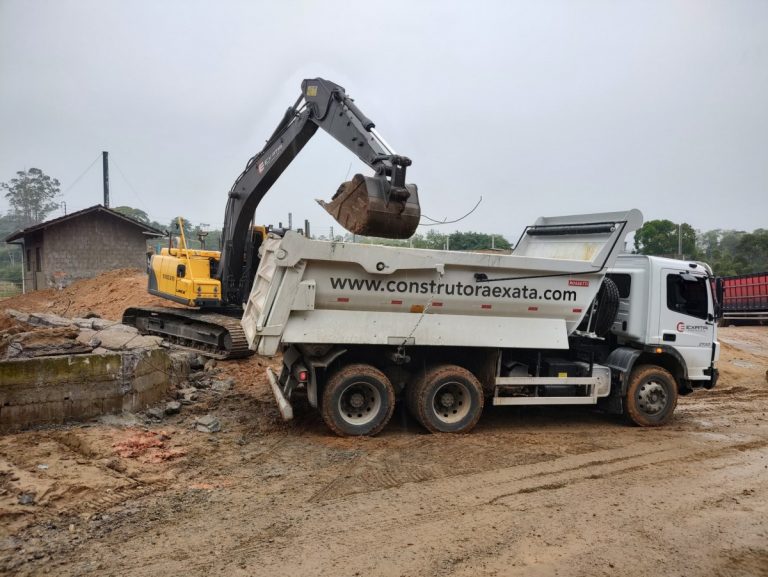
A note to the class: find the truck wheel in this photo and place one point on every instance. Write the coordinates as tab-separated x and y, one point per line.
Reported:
409	395
358	400
651	396
448	399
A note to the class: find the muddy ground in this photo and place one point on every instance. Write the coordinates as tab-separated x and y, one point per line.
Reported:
554	491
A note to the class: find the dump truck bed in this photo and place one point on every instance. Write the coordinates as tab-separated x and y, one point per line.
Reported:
319	292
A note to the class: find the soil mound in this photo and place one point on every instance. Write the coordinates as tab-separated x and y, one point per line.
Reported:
106	295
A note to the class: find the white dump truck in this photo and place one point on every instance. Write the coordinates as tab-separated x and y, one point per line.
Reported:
564	320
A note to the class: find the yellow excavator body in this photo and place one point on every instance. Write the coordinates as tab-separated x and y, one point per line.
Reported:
186	275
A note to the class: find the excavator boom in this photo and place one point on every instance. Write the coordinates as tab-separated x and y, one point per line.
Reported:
219	283
381	205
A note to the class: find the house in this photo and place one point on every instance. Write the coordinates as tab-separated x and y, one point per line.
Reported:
81	245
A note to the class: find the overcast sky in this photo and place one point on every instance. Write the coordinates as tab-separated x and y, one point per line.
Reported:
541	108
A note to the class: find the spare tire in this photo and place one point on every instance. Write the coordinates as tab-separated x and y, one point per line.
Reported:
607	303
607	307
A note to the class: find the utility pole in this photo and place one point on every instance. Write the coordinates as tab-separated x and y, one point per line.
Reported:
680	241
306	228
105	167
290	221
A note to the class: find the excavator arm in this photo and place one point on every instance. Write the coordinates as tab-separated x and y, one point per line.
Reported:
382	205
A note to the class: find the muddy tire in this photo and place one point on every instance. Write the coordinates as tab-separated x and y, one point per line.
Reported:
651	396
358	400
448	399
409	395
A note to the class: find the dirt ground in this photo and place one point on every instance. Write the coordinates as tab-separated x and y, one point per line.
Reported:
106	295
533	491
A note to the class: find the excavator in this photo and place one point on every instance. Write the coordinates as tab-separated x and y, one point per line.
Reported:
216	284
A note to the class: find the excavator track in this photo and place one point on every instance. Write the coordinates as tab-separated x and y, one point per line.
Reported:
213	334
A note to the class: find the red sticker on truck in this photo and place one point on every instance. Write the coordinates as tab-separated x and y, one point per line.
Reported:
574	282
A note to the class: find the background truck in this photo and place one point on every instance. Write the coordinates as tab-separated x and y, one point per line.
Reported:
563	320
745	297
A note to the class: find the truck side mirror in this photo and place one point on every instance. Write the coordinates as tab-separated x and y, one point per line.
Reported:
719	295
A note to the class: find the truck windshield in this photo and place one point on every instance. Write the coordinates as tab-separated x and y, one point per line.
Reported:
688	295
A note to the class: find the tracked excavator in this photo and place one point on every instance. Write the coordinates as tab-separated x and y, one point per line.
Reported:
216	284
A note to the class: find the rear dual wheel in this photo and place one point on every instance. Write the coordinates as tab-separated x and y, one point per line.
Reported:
358	400
446	399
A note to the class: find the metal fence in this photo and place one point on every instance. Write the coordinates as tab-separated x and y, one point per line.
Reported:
9	287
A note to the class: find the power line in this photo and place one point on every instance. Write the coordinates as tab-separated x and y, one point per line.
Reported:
128	182
444	221
90	166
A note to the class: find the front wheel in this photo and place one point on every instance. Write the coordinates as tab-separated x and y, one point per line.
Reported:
651	396
358	400
447	399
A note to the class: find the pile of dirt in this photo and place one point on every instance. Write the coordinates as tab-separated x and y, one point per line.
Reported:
106	295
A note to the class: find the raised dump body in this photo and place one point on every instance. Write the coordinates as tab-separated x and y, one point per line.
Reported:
319	292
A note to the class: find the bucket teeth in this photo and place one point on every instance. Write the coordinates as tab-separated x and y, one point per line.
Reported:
361	206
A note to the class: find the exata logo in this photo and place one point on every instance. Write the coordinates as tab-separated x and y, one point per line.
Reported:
261	167
682	327
574	282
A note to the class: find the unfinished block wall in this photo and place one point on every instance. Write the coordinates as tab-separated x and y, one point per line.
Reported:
87	246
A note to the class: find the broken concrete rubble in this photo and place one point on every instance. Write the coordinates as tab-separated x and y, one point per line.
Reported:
223	385
51	335
172	407
208	424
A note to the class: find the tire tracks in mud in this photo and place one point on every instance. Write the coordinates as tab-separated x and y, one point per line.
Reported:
362	518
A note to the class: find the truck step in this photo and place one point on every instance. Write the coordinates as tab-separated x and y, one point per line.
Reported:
529	401
509	391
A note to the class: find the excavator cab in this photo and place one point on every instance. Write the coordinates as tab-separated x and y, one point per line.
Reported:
374	206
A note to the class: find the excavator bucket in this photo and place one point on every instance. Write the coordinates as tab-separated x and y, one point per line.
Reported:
372	206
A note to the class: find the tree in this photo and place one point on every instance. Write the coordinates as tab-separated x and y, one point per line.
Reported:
32	196
752	251
173	226
660	238
477	241
134	213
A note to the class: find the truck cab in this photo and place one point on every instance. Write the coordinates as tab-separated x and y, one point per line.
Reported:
667	310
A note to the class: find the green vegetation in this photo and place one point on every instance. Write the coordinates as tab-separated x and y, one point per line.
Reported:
436	240
10	257
728	252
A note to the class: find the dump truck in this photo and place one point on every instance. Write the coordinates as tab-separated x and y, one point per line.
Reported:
564	320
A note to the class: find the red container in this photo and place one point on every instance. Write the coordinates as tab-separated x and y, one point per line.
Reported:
746	293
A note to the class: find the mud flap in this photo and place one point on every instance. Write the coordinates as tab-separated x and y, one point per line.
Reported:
371	206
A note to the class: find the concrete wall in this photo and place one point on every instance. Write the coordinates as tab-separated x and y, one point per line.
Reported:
90	245
53	390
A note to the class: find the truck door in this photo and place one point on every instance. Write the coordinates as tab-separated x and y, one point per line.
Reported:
687	320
